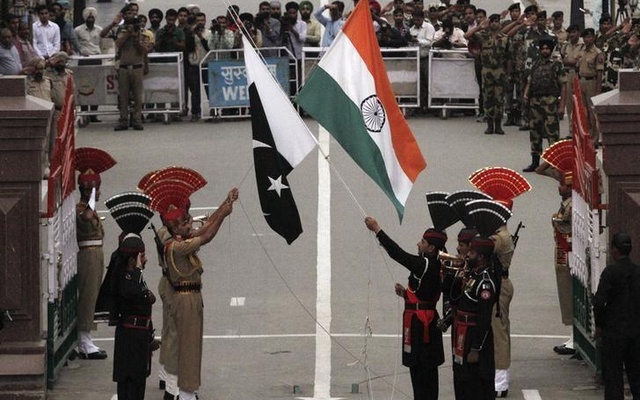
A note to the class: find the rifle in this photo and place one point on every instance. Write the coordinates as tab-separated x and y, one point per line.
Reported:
159	245
516	235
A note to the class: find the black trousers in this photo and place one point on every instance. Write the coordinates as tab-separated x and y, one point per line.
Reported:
619	354
425	382
131	389
475	389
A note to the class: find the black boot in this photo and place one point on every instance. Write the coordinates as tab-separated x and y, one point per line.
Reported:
535	162
489	130
509	121
517	117
498	126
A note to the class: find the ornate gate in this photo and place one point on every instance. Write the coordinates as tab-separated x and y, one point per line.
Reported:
59	244
587	258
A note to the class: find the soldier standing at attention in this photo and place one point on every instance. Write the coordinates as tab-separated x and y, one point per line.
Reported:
133	65
60	77
494	57
590	67
546	93
569	52
559	164
90	163
473	353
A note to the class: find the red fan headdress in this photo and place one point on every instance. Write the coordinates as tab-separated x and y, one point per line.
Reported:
91	162
169	199
502	184
561	156
187	175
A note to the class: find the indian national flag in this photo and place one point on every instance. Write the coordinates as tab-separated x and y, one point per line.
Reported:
349	94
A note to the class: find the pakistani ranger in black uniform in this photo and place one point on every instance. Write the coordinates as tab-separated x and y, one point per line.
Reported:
473	347
129	298
474	366
422	340
616	308
134	332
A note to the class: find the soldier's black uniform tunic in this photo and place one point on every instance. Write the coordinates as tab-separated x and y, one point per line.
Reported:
472	330
422	350
134	333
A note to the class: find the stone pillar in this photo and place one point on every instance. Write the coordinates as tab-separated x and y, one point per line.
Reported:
24	123
618	115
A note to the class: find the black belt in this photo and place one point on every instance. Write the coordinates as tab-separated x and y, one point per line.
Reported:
131	66
136	322
188	287
420	306
588	78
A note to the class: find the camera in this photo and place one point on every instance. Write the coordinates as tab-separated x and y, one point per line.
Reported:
133	24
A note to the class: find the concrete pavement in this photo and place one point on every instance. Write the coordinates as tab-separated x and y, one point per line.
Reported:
260	294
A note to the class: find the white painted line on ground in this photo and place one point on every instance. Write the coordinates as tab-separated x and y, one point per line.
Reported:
530	394
237	302
335	335
322	385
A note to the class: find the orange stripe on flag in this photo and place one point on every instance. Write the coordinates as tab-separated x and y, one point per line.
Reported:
359	30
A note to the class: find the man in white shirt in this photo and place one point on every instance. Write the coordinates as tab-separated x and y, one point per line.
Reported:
331	25
422	33
46	34
89	33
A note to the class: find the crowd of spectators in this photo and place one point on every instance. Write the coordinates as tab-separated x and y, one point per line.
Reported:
397	24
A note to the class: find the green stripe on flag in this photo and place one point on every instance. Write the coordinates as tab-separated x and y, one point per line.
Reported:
325	100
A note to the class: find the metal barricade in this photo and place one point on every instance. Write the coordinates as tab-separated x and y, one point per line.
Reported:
452	79
225	89
96	84
403	70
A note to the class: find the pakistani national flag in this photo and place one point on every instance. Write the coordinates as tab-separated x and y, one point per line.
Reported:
281	140
349	94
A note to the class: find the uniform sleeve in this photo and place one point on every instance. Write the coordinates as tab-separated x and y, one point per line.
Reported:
413	263
186	247
486	299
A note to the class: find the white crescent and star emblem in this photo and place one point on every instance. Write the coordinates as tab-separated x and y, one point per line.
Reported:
277	185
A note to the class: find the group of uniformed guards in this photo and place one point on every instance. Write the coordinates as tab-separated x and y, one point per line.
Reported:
474	284
123	295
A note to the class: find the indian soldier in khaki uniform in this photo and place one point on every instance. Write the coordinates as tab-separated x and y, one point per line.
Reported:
38	85
90	163
546	93
590	67
184	270
60	77
133	64
557	28
150	184
569	52
494	57
559	163
500	322
503	185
